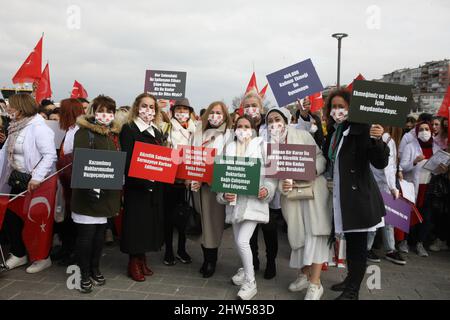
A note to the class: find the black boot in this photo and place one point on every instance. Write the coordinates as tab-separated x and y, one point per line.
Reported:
342	285
350	293
356	272
202	269
210	267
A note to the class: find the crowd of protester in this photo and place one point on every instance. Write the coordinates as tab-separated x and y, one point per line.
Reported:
354	164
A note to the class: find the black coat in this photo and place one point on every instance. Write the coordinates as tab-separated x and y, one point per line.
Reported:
361	202
142	224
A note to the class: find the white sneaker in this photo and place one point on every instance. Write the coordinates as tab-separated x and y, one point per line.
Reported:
403	246
15	262
421	250
299	284
239	278
438	245
248	290
39	265
314	292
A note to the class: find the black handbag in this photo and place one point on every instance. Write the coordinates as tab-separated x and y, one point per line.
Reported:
19	180
186	218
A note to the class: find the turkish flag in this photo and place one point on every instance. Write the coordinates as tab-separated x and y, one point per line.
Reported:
350	86
15	205
262	93
4	200
78	91
444	109
31	68
44	89
316	101
252	86
37	210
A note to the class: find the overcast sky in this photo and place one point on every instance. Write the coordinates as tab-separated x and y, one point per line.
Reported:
218	43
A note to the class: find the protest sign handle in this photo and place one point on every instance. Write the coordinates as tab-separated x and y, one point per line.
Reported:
22	194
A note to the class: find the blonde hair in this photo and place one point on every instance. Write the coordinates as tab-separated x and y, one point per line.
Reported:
226	115
24	103
134	111
255	95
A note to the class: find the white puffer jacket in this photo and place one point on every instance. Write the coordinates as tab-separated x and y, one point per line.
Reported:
250	207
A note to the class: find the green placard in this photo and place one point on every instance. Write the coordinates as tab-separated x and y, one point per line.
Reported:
236	175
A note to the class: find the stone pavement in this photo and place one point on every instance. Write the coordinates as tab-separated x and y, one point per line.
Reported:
421	278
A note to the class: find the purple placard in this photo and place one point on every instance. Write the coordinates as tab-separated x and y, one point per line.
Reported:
294	82
291	161
398	212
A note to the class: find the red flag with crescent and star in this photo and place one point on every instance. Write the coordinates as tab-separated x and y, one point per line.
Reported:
44	89
78	91
32	66
36	210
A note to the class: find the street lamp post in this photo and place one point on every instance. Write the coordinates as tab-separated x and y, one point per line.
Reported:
339	37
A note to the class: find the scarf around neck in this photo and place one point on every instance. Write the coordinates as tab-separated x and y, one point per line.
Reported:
14	130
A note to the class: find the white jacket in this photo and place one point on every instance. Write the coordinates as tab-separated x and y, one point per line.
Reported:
250	207
318	209
411	172
179	135
38	144
385	178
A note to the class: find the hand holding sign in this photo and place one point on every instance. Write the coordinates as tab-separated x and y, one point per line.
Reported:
376	131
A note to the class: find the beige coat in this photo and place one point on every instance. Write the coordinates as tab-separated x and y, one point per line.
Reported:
211	212
318	209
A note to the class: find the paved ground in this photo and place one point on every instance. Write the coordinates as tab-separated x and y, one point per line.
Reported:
421	278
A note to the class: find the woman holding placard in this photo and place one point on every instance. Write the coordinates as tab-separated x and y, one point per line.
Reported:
357	203
253	107
143	217
181	131
245	212
92	207
308	218
211	134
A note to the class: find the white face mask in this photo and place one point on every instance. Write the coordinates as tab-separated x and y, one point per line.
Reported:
313	128
252	112
277	129
104	118
424	136
147	115
182	116
215	119
339	115
243	134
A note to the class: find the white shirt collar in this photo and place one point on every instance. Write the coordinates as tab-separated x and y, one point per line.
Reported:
142	126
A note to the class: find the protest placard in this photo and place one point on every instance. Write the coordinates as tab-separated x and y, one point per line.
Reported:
236	175
294	82
165	84
98	169
152	162
398	212
196	163
291	161
380	103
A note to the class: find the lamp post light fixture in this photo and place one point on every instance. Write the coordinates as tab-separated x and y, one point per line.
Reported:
339	37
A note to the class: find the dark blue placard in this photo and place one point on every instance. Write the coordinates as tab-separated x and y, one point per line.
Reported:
294	82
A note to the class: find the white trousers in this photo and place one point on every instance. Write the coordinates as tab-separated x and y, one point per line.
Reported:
243	231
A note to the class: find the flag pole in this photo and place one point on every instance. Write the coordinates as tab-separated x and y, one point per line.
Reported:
22	194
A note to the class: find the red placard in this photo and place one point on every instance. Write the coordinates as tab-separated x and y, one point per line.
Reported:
196	163
153	162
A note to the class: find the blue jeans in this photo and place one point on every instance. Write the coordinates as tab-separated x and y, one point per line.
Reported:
388	238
